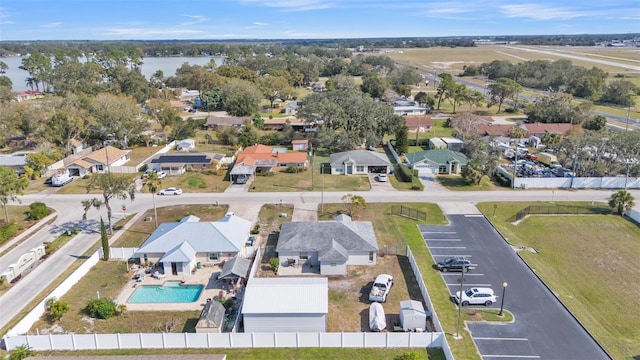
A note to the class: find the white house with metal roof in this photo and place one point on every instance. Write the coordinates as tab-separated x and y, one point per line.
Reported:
291	304
359	162
179	246
328	245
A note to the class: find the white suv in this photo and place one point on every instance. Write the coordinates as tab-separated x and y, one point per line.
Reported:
475	296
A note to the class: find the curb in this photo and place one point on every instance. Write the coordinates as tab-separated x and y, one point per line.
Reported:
27	233
550	291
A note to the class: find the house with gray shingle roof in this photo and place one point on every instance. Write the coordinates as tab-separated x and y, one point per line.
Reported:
437	161
328	245
359	162
178	246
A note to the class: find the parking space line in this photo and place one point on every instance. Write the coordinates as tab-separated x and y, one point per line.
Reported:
470	285
512	356
443	239
447	247
438	232
474	216
500	338
458	273
449	255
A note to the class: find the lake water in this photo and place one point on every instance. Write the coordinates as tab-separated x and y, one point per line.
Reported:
168	65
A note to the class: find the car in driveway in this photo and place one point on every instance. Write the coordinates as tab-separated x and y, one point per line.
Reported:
161	174
380	288
241	179
382	177
454	264
475	296
170	191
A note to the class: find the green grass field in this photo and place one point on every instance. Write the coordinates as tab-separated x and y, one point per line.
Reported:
590	263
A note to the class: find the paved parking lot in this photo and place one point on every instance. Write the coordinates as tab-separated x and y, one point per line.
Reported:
542	329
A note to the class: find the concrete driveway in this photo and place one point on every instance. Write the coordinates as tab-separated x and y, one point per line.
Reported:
380	185
543	328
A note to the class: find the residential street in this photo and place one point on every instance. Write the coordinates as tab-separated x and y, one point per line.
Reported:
244	204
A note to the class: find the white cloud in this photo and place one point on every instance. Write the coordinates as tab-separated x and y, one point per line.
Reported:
141	32
539	12
293	5
51	25
196	19
257	23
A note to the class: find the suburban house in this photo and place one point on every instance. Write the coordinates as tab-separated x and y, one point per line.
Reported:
453	144
211	318
77	146
177	164
359	162
437	161
263	158
410	110
539	129
295	123
213	122
418	123
15	162
437	144
328	245
294	304
291	108
179	246
300	145
24	95
186	145
98	161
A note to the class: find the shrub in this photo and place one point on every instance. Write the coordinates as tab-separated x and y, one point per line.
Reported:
101	308
292	170
255	230
275	263
403	173
409	355
38	210
57	308
8	231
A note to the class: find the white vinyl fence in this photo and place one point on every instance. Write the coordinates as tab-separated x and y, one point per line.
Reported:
224	340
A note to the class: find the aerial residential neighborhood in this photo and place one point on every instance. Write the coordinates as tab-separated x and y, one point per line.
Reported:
335	196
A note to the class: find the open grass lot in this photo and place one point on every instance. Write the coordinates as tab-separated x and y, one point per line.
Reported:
137	233
458	183
203	147
79	185
269	354
590	262
196	181
18	215
303	181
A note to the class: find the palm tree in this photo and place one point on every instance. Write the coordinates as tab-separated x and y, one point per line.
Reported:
153	182
621	201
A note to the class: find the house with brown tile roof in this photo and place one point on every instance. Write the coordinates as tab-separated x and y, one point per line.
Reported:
98	161
213	122
418	123
539	129
263	158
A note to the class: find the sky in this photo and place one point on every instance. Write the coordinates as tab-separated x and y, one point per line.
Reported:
309	19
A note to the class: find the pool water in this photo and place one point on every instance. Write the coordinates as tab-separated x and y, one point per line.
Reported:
169	292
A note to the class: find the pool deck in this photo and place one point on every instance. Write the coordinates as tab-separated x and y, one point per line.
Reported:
206	276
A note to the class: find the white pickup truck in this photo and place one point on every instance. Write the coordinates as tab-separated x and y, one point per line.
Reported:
380	288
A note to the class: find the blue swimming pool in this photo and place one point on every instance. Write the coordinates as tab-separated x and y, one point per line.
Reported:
169	292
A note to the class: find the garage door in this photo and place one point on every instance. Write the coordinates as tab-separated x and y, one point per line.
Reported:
424	170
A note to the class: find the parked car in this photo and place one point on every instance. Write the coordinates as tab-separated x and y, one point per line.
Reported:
532	157
381	177
170	191
454	264
475	296
161	174
380	288
241	179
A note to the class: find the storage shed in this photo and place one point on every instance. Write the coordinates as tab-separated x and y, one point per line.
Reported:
453	144
437	144
286	305
413	317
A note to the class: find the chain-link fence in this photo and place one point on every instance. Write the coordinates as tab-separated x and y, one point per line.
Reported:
409	212
560	210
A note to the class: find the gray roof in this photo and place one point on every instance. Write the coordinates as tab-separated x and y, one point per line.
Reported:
360	157
242	169
224	235
181	253
13	160
236	266
332	239
212	315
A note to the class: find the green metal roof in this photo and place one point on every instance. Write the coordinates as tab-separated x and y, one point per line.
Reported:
437	157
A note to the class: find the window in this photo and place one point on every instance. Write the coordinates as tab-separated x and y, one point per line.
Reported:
360	168
370	256
145	258
213	256
304	255
284	165
442	169
334	264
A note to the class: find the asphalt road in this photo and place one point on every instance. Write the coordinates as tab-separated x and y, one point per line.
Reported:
542	329
70	214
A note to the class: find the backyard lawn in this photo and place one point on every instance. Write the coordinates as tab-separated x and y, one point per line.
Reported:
196	181
601	285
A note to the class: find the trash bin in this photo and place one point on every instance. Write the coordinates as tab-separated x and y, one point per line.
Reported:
198	266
